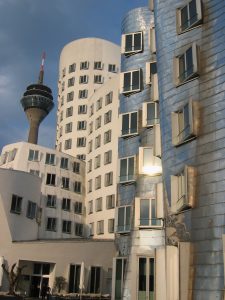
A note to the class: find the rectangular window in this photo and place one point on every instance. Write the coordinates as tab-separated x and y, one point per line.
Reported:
129	124
91	229
35	172
71	81
97	161
69	111
63	86
83	79
127	169
81	156
16	204
78	208
100	227
63	72
98	122
111	226
51	224
70	96
83	94
95	275
108	98
108	157
99	104
107	136
12	154
69	127
68	144
64	163
98	204
120	267
148	213
91	110
152	40
98	65
189	16
98	182
146	278
82	109
124	219
132	43
150	115
112	68
66	226
97	141
148	163
90	146
90	127
81	125
108	117
89	165
98	79
62	101
110	201
51	201
78	229
108	178
131	82
151	69
77	187
50	159
31	209
65	184
72	68
33	155
50	179
61	116
76	167
89	186
66	203
90	207
74	279
81	142
84	65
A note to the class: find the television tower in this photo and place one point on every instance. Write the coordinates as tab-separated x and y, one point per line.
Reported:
37	102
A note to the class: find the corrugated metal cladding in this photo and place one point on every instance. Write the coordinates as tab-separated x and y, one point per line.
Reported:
136	20
206	222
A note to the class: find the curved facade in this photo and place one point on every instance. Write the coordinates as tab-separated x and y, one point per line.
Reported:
196	218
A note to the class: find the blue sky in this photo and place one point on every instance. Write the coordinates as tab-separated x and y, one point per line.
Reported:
27	27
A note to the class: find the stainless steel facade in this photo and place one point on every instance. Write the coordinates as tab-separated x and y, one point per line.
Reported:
203	225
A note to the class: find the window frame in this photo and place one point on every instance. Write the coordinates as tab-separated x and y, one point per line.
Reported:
128	180
126	226
131	90
132	51
145	121
53	224
16	208
129	133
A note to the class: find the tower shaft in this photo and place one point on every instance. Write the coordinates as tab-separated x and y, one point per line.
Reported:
34	116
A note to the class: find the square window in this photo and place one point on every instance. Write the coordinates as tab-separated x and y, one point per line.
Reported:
82	109
71	81
83	79
84	65
97	161
148	163
108	98
69	127
130	82
112	68
97	141
83	94
108	157
33	155
132	43
99	104
81	142
50	159
72	68
81	125
147	213
98	79
98	65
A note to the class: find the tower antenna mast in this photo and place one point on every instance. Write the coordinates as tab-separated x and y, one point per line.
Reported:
41	74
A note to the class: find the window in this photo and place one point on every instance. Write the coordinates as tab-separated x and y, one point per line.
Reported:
81	156
148	163
97	161
81	142
66	204
147	213
98	122
12	154
100	227
51	201
132	43
108	117
61	116
127	169
91	229
112	68
189	16
76	167
185	123
78	229
77	187
78	208
63	86
83	79
129	124
124	219
98	104
66	226
108	178
33	155
65	183
91	110
72	68
146	277
51	224
150	114
82	109
98	182
60	131
97	141
98	79
131	82
74	279
68	144
81	125
90	127
64	163
98	204
62	101
90	144
89	186
84	65
69	127
108	98
151	69
95	280
16	204
50	159
31	210
110	225
183	188
69	111
89	165
83	94
70	96
110	201
107	136
108	157
71	81
186	65
63	72
35	172
50	179
98	65
90	207
4	157
152	39
119	267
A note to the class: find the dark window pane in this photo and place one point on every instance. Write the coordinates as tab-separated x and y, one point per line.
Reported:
121	218
137	41
189	62
182	68
142	274
127	82
151	277
193	12
133	125
128	43
144	212
184	18
135	80
153	68
125	124
123	169
151	113
46	269
130	168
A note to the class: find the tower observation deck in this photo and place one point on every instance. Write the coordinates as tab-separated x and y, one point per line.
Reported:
37	102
